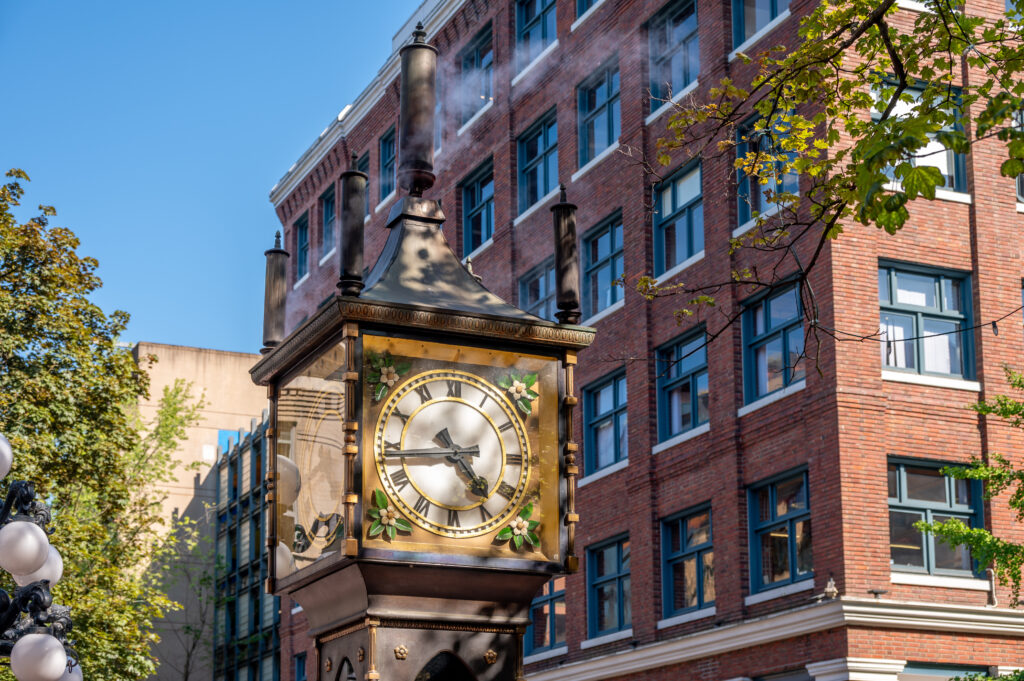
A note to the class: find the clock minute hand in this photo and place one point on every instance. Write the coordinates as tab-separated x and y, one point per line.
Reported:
434	452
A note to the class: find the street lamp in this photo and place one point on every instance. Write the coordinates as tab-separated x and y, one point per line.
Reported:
33	631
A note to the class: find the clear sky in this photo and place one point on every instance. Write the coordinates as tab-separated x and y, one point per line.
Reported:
157	129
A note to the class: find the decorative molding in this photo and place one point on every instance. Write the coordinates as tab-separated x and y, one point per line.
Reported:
586	15
607	638
1020	207
603	473
660	111
753	222
779	592
768	28
605	153
772	397
856	669
933	381
919	579
681	438
536	60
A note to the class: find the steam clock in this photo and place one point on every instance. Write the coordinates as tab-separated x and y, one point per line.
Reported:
425	472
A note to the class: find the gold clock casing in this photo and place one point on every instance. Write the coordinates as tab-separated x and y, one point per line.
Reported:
496	416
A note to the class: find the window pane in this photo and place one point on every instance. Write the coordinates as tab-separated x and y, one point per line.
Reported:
915	289
883	286
556	584
608	606
795	362
675	538
620	387
758	314
894	476
790	496
697	227
905	545
703	398
625	555
708	560
941	352
606	560
764	504
604	444
950	557
775	555
951	294
540	615
688	187
770	365
679	408
698	529
684	583
627	609
962	489
897	352
558	635
692	355
783	307
926	484
623	437
605	399
674	244
804	555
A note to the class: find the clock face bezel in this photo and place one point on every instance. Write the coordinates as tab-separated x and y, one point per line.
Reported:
492	393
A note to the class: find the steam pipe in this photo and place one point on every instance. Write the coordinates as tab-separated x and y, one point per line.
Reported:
274	291
353	209
416	115
567	261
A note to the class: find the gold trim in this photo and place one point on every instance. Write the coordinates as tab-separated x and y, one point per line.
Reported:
350	427
572	561
448	626
338	633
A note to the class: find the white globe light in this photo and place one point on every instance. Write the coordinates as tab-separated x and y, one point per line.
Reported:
23	547
38	657
6	457
288	481
73	674
284	561
53	570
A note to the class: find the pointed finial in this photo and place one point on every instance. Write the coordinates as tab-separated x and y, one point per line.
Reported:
561	195
277	239
419	35
354	160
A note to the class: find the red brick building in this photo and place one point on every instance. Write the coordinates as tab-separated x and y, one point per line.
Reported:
706	470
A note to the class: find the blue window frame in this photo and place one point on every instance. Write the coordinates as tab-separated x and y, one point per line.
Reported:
750	16
1020	126
583	5
477	208
538	161
688	570
300	667
547	619
477	74
327	222
535	29
780	532
923	315
387	163
602	266
302	247
773	332
599	112
752	196
605	423
678	219
608	587
675	49
683	395
363	166
919	491
537	291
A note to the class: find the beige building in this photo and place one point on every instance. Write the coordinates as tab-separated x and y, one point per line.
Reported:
232	401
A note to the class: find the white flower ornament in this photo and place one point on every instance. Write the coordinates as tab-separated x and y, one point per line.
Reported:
387	516
518	390
519	526
388	376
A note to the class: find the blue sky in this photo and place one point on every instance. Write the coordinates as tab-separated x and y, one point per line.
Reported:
158	129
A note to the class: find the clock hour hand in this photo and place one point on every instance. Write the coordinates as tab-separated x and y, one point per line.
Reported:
477	484
434	452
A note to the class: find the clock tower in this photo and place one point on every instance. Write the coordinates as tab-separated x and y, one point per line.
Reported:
424	477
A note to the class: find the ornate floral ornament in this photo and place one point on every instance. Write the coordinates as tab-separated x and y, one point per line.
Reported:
490	657
382	372
401	652
520	390
521	530
386	520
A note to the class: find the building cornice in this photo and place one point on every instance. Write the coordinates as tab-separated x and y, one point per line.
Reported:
434	14
789	624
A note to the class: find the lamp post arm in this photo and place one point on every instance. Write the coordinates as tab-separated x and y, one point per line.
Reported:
21	497
34	598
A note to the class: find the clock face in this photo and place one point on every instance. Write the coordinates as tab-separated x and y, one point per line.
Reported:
452	452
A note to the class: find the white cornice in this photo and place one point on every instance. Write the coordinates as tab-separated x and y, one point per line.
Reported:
800	621
434	14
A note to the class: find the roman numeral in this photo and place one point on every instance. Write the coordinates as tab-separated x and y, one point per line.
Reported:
424	393
400	479
505	426
453	519
422	506
514	459
397	414
485	515
454	388
483	401
506	490
391	446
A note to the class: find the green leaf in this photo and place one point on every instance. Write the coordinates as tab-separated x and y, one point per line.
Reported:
505	534
524	405
533	524
527	511
380	499
375	529
388	361
373	513
402	368
533	539
518	541
391	532
505	382
529	380
380	391
532	395
922	180
403	524
373	376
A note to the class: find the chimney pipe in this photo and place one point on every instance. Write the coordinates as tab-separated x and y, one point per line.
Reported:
353	210
416	116
567	261
275	288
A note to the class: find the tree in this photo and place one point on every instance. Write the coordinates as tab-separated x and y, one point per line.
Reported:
68	403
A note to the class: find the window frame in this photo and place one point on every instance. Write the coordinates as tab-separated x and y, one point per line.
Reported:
545	270
363	166
592	419
758	527
472	186
615	255
666	383
523	27
661	23
583	6
301	230
739	35
687	210
669	559
919	313
752	341
548	595
327	229
473	60
547	147
972	514
594	583
609	75
386	172
746	209
298	659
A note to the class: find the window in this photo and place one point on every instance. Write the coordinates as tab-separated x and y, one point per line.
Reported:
931	672
750	16
678	220
477	75
599	113
682	386
675	52
773	330
537	291
535	29
300	667
387	164
602	256
752	195
952	165
477	209
583	5
363	166
780	532
302	247
538	161
547	618
921	492
922	315
327	222
605	424
1020	126
688	573
608	587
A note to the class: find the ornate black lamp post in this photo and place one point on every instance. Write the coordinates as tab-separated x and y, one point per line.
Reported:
33	631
